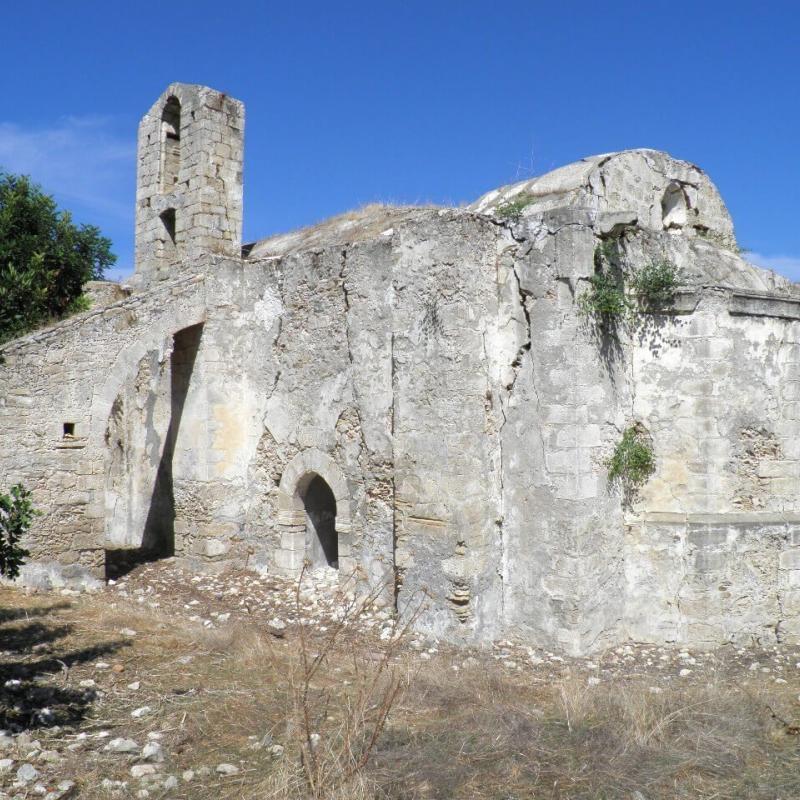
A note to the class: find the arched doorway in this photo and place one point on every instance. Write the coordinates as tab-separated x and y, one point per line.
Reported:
313	489
322	541
140	440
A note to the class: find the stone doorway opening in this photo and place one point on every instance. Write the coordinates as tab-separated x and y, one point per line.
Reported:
141	437
322	541
314	515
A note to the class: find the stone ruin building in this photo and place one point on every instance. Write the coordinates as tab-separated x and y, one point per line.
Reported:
416	392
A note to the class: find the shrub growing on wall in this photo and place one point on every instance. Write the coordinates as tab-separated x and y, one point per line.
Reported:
615	295
44	258
632	461
655	284
16	515
605	299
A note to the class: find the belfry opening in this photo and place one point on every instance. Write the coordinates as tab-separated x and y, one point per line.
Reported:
170	144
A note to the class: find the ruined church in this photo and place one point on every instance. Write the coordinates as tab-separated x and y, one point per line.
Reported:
418	394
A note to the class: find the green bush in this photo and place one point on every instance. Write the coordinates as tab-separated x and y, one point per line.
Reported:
16	515
651	288
633	460
512	210
655	284
605	298
44	258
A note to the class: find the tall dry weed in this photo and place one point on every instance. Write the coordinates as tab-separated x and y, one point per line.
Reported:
336	722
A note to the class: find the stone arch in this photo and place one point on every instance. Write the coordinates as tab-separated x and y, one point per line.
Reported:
674	206
168	251
170	143
322	539
135	496
149	338
298	475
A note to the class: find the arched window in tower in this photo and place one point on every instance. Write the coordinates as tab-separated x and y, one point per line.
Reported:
170	144
169	249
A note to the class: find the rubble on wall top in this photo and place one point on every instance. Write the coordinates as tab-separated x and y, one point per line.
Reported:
646	189
369	222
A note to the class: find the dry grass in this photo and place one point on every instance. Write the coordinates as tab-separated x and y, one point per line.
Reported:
429	731
369	221
491	735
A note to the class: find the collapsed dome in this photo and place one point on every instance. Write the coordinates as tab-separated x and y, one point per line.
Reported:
661	192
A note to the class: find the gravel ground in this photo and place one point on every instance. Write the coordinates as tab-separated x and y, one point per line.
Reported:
83	718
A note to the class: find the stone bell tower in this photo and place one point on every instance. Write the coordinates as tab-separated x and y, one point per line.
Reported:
189	180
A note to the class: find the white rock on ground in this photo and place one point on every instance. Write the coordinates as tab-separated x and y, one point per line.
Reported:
122	745
276	751
27	773
153	751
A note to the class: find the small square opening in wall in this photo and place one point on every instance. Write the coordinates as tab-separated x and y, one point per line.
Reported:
69	430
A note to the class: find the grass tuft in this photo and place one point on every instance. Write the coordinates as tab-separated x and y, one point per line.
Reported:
512	210
633	460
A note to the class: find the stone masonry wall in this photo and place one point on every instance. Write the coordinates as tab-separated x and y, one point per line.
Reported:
561	524
444	372
712	554
71	374
189	180
433	367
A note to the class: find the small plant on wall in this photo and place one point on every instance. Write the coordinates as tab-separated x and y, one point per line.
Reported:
632	462
655	285
605	299
512	209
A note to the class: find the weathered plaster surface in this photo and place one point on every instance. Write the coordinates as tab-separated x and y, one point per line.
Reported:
433	368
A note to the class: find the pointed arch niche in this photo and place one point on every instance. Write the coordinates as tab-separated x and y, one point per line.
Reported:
170	144
314	514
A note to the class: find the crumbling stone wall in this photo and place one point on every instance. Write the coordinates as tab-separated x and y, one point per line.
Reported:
433	368
72	373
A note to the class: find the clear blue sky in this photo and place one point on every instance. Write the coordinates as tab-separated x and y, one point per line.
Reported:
353	102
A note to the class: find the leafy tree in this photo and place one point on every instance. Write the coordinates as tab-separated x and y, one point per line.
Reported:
44	258
16	515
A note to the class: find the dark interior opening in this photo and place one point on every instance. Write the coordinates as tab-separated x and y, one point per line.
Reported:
158	540
69	430
322	544
171	144
169	251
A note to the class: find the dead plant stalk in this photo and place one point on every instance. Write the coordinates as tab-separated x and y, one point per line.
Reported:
332	761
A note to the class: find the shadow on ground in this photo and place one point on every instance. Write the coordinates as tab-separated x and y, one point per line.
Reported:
120	563
35	660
